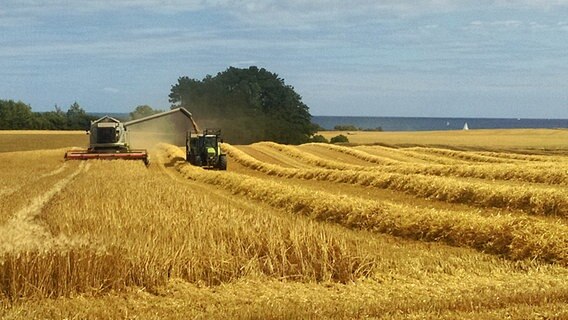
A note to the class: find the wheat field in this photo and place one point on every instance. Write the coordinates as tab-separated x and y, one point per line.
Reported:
400	230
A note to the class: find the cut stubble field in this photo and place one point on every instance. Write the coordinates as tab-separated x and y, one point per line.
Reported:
407	228
531	140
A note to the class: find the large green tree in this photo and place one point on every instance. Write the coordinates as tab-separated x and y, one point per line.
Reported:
247	104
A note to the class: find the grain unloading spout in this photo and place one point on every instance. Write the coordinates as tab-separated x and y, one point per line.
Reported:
165	127
181	111
195	127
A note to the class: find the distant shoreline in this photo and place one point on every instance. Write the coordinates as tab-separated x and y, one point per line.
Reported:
436	123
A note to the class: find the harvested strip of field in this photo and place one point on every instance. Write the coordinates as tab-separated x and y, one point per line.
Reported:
267	154
530	199
410	156
353	157
511	139
512	237
309	158
354	152
539	174
547	173
326	162
462	155
391	153
524	157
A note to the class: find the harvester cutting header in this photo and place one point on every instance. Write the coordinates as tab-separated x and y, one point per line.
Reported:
111	139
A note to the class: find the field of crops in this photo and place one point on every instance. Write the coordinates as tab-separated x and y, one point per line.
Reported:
310	231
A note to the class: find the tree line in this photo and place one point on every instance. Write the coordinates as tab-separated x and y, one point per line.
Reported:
248	105
16	115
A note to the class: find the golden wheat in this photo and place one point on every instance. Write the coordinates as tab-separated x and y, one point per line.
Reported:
39	140
524	157
162	229
550	173
410	157
356	153
114	239
506	235
531	199
525	140
25	175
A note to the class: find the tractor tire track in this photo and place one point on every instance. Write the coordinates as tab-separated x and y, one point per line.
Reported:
55	171
10	191
24	233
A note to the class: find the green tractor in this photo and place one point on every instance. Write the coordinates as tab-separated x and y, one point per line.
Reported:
204	149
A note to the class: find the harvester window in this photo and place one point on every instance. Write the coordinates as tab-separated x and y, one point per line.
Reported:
107	135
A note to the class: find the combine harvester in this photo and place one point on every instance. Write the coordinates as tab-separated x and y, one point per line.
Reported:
110	139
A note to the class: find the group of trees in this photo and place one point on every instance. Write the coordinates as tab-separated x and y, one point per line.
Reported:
16	115
19	116
247	104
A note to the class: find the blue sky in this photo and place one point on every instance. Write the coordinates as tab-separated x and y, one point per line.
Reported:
361	58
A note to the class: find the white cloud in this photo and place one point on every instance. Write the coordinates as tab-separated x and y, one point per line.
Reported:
111	90
193	42
287	12
245	63
499	24
509	25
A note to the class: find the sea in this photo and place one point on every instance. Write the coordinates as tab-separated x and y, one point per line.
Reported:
419	123
434	124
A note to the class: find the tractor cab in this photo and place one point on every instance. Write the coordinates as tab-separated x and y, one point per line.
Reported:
204	149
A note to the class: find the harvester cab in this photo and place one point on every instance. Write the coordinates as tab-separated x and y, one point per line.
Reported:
204	149
108	133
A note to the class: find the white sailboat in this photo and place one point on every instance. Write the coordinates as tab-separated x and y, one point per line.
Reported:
465	126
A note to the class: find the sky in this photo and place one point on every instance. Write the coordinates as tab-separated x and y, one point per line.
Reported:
430	58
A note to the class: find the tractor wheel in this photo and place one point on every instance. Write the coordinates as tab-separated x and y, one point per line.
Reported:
197	161
223	162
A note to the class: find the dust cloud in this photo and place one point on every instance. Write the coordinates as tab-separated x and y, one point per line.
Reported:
170	128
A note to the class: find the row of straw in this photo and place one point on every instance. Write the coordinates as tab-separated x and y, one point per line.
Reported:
553	158
462	155
530	199
486	156
509	236
551	173
414	154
